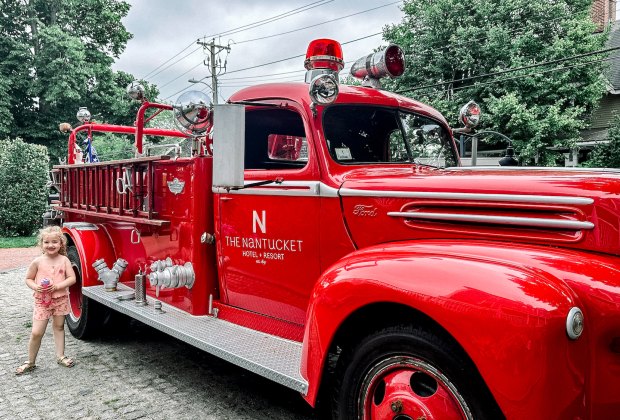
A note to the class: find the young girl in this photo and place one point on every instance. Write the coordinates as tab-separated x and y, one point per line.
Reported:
51	301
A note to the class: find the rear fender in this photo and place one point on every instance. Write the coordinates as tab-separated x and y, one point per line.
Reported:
92	243
509	319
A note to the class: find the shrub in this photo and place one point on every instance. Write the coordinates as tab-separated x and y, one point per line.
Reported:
23	194
607	155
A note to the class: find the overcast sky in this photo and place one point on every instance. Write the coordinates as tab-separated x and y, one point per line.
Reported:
163	28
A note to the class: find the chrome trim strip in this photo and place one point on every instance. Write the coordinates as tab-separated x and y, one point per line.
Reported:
497	220
80	226
532	168
286	188
327	191
517	198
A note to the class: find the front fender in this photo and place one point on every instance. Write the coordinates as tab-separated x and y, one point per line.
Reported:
508	318
92	243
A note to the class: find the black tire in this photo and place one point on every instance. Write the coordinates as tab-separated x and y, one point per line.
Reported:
86	316
370	378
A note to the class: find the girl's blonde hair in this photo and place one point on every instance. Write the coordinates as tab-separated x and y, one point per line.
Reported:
53	231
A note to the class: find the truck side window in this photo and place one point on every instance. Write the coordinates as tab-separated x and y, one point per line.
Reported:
274	139
360	134
357	134
427	141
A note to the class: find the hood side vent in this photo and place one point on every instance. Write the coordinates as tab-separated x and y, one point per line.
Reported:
544	222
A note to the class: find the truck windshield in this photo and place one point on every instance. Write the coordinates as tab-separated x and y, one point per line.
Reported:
359	134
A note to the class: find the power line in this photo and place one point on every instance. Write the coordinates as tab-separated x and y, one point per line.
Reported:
262	75
300	55
270	76
478	84
273	19
177	54
265	64
173	63
181	75
281	79
238	29
264	79
560	60
536	73
317	24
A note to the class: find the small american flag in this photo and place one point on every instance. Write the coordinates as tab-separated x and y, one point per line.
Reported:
91	152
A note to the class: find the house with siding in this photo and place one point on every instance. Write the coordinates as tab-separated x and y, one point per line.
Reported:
603	13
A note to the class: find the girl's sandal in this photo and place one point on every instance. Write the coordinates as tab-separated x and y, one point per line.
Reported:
65	361
25	368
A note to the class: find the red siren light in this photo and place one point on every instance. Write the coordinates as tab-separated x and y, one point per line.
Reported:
389	62
395	61
324	54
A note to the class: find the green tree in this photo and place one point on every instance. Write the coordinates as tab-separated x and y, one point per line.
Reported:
607	155
23	176
448	40
56	57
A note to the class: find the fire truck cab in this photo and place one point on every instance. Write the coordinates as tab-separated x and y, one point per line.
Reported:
325	237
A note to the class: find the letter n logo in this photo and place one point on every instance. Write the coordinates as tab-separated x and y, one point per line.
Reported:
258	221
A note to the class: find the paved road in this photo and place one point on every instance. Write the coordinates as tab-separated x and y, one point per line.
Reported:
137	374
11	258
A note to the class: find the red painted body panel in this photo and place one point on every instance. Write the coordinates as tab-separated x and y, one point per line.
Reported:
267	260
506	305
91	245
603	188
187	213
258	322
274	270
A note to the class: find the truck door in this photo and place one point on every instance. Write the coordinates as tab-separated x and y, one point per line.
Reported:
268	234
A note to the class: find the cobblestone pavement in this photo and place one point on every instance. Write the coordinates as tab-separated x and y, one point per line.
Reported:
138	373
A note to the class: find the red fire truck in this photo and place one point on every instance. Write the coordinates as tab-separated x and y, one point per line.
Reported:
326	237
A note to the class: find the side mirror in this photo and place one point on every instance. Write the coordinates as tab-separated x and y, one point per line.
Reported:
228	146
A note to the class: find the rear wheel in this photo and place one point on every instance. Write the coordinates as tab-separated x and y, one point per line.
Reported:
405	373
86	316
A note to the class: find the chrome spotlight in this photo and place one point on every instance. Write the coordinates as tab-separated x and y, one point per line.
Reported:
192	112
135	90
83	114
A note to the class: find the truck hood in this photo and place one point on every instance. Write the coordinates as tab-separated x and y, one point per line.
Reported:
551	206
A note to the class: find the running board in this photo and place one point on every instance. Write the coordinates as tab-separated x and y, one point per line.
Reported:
267	355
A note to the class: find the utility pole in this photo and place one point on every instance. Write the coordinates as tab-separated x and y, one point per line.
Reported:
214	63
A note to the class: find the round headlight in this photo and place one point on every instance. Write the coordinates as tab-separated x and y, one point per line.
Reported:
323	89
191	112
83	115
574	323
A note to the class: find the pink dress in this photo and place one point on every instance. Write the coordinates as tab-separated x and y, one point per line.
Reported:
44	307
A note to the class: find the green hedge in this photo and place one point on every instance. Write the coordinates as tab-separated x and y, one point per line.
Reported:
23	194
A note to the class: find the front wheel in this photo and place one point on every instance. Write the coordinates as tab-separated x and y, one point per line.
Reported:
86	316
405	373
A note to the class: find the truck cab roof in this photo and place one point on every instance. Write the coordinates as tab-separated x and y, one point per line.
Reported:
298	92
